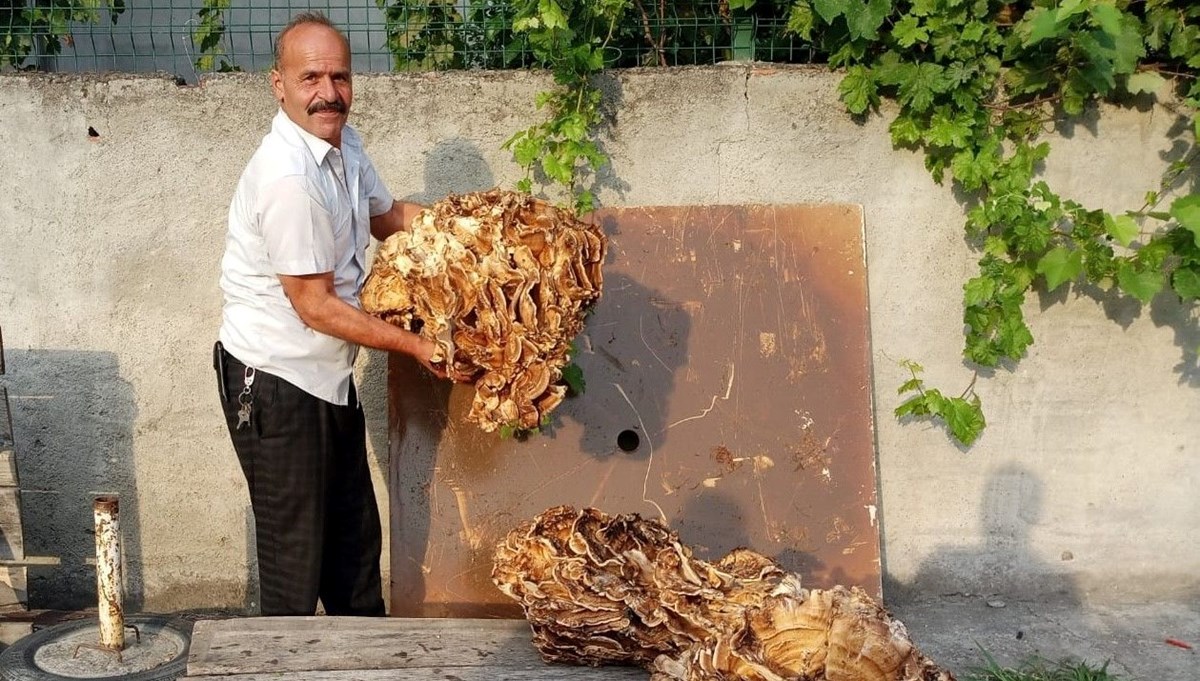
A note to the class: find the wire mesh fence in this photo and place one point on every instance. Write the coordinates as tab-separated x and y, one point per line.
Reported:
190	37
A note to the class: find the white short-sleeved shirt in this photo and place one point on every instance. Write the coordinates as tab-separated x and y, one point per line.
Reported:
301	207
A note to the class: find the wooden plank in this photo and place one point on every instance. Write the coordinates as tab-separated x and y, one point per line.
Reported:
12	536
310	644
549	673
8	468
14	589
32	561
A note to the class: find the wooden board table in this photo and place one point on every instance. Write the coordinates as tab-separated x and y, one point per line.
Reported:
374	649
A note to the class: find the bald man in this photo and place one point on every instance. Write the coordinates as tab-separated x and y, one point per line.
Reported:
295	260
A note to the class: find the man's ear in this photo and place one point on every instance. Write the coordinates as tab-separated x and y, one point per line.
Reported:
277	84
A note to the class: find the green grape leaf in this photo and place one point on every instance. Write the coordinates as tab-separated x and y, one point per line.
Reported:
971	170
1130	47
801	20
948	132
556	169
831	9
585	202
1014	335
909	31
526	151
552	14
864	17
1070	8
1141	284
964	418
1042	23
572	376
858	89
1144	82
959	73
979	290
1186	282
904	131
973	31
1186	210
921	84
1060	265
1107	17
917	405
1123	228
574	128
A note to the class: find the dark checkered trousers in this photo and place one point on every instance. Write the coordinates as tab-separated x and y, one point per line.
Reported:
317	525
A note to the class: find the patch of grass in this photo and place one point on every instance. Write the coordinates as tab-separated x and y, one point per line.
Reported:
1037	669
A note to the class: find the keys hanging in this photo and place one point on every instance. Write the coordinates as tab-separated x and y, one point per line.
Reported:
245	399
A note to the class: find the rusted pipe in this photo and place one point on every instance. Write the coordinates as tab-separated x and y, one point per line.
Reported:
108	573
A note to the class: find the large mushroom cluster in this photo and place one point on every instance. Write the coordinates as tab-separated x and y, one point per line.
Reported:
500	281
601	589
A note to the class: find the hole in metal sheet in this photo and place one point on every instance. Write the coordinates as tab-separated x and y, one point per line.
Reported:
628	440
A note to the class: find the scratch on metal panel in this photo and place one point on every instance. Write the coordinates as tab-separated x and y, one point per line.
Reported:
728	389
649	459
472	534
642	333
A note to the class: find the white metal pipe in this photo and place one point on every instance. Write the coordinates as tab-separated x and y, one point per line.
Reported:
108	573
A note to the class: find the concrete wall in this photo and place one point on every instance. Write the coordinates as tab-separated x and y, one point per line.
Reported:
1083	485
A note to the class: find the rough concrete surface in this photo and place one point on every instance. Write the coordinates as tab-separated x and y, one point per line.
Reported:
1082	488
1131	638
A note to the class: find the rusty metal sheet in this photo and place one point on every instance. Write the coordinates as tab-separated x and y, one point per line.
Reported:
728	392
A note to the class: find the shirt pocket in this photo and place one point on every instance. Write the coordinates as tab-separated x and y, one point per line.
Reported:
362	233
343	243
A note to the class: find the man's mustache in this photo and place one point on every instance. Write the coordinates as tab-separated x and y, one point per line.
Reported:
322	105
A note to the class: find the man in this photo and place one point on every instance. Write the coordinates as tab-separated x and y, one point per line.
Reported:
295	260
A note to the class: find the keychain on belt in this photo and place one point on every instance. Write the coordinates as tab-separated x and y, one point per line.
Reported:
245	399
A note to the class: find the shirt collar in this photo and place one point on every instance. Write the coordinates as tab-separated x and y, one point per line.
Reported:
319	147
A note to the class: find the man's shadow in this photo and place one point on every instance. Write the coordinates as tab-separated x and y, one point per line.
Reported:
1004	564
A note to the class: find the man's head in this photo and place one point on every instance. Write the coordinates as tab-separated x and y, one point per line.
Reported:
311	78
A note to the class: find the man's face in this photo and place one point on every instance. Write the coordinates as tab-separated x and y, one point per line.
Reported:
312	80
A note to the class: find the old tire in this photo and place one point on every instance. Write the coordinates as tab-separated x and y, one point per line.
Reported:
21	661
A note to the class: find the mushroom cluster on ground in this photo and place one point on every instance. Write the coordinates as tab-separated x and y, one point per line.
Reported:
600	589
500	281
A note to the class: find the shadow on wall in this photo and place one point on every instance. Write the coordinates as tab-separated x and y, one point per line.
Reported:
1004	564
453	166
73	419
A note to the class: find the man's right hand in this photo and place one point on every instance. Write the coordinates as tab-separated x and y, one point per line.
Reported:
424	353
315	300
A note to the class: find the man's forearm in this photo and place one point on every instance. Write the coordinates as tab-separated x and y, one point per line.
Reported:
397	219
335	317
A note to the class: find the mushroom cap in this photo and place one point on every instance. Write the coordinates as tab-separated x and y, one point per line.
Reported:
500	281
621	589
